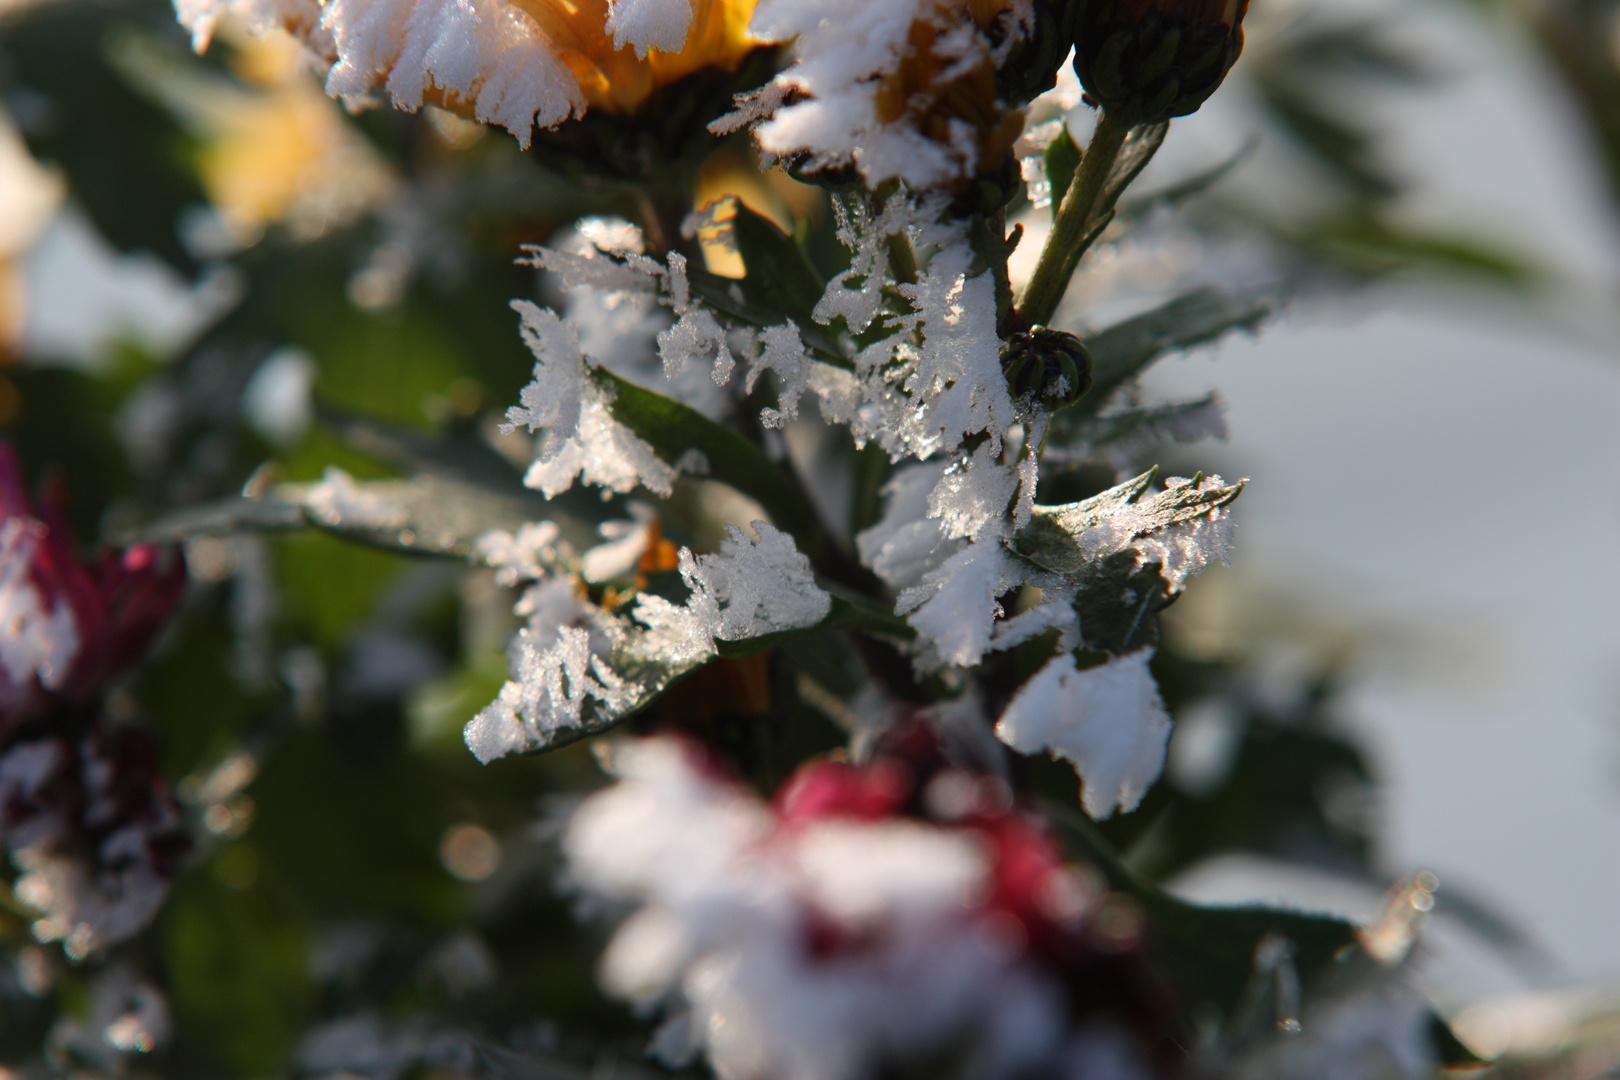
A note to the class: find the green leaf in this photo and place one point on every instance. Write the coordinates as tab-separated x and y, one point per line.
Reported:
779	276
1062	159
1051	540
673	429
1118	595
1206	954
1126	349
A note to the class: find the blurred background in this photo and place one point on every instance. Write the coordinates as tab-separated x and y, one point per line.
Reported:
195	252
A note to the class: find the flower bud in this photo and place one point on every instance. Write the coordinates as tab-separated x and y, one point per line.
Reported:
1150	60
1049	367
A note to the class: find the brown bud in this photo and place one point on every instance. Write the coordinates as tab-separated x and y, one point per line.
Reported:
1149	60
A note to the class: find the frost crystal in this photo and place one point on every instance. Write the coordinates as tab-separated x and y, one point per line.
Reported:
584	440
905	543
1109	721
524	557
557	665
337	500
780	349
937	379
649	24
1182	551
955	606
729	896
34	642
748	589
849	53
488	52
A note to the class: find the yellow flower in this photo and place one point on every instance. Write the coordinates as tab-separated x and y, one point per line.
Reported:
618	80
918	94
275	150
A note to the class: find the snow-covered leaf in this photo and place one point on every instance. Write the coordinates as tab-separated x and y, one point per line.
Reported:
674	431
1128	552
1108	721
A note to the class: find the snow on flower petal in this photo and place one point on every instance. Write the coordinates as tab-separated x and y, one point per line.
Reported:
1108	721
650	24
825	947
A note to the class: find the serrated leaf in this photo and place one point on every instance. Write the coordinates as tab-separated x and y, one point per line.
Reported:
1119	591
1052	539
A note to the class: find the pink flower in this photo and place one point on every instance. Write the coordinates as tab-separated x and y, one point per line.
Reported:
67	628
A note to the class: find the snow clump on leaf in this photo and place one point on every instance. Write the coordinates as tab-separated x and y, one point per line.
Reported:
1109	721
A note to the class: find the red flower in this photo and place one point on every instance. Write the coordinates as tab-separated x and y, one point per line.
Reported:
67	628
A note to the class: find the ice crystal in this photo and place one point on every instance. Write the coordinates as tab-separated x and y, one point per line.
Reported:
558	663
584	439
955	606
780	350
524	556
906	543
848	53
338	500
1108	721
747	589
488	52
649	24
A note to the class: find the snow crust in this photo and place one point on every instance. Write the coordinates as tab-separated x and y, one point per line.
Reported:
1108	721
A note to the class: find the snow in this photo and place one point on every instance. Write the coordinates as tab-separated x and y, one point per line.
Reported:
523	556
487	51
558	664
584	441
338	500
725	896
748	589
36	641
848	54
1108	721
905	543
780	350
954	607
626	541
649	24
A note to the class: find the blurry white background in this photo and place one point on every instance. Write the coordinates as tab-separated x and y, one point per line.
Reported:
1438	474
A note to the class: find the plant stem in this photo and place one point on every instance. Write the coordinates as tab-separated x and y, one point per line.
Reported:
1075	217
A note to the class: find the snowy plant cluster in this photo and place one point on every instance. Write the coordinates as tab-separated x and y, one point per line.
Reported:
805	489
85	813
868	916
